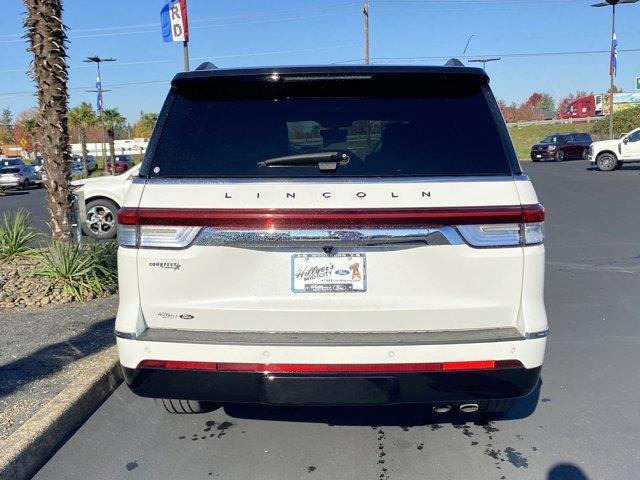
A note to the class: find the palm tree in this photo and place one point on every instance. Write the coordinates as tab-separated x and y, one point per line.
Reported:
82	117
47	41
112	119
30	127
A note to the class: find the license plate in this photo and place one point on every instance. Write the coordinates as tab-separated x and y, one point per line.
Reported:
319	273
538	156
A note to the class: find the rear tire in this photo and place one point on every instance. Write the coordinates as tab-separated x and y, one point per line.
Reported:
26	185
606	162
496	406
181	407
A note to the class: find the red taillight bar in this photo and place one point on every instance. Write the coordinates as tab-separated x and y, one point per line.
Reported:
330	368
307	218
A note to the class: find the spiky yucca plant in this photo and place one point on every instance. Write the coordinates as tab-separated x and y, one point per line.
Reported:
15	235
80	270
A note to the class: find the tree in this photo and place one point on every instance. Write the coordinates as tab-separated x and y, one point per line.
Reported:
47	42
6	127
82	117
144	126
112	119
30	127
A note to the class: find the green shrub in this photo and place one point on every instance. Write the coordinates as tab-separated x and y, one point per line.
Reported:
15	235
623	122
80	270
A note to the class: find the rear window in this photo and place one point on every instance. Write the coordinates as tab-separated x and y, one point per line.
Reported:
443	134
9	170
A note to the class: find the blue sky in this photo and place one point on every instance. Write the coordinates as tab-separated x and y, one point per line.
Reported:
234	33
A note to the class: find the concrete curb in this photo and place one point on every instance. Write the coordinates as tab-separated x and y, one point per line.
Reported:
26	449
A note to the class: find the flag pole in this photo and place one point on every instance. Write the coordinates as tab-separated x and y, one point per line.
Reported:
185	54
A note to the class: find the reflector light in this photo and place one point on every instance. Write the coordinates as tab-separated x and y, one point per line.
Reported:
330	368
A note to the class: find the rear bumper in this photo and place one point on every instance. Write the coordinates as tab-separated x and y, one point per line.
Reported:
340	389
371	388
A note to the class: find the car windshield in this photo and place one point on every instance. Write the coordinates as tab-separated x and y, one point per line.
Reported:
550	139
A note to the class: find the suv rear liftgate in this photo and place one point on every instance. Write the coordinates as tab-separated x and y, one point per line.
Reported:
328	222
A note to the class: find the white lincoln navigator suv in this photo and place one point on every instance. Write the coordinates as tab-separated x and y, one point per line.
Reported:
331	236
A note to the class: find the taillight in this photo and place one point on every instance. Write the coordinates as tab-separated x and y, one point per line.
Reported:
528	231
480	226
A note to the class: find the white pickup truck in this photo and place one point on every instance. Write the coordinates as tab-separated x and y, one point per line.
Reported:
609	155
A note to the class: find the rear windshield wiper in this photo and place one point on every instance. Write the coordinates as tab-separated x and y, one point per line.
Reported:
326	161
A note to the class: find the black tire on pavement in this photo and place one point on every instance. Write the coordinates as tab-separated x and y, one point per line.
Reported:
107	226
606	162
26	185
559	156
619	165
181	407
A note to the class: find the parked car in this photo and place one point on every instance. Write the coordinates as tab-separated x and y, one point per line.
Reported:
397	268
38	164
610	155
19	176
76	165
123	163
561	146
11	162
103	197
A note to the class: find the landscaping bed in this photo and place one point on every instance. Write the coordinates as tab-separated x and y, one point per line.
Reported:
21	286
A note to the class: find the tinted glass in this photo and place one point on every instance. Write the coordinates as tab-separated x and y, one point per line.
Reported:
452	135
9	170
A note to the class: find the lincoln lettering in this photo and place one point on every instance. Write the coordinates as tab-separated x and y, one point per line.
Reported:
359	194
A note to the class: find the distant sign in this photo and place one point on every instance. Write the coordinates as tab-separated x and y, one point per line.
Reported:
638	84
23	142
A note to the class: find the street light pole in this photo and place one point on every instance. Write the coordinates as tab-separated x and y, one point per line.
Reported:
612	72
98	60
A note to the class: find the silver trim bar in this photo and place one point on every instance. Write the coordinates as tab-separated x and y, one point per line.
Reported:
211	236
488	335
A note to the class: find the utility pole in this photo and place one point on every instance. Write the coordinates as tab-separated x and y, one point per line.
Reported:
365	13
100	104
185	55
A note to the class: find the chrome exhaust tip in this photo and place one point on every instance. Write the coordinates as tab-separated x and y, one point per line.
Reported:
442	408
469	407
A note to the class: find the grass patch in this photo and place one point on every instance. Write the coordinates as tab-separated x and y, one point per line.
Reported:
81	271
15	235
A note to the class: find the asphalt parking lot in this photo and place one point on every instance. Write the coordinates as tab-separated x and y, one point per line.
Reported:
33	201
581	422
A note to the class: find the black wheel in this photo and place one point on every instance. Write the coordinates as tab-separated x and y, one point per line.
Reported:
40	185
26	185
618	165
185	406
559	156
101	219
606	162
496	406
535	160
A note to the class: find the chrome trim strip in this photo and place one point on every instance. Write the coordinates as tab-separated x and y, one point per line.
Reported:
322	180
211	236
534	335
507	334
126	335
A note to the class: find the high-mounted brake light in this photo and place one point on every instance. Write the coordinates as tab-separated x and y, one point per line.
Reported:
331	368
176	228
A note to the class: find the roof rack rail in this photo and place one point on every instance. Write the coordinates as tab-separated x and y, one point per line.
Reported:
206	66
454	62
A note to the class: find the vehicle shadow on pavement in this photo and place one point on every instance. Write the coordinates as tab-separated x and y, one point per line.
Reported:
55	357
15	193
413	415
